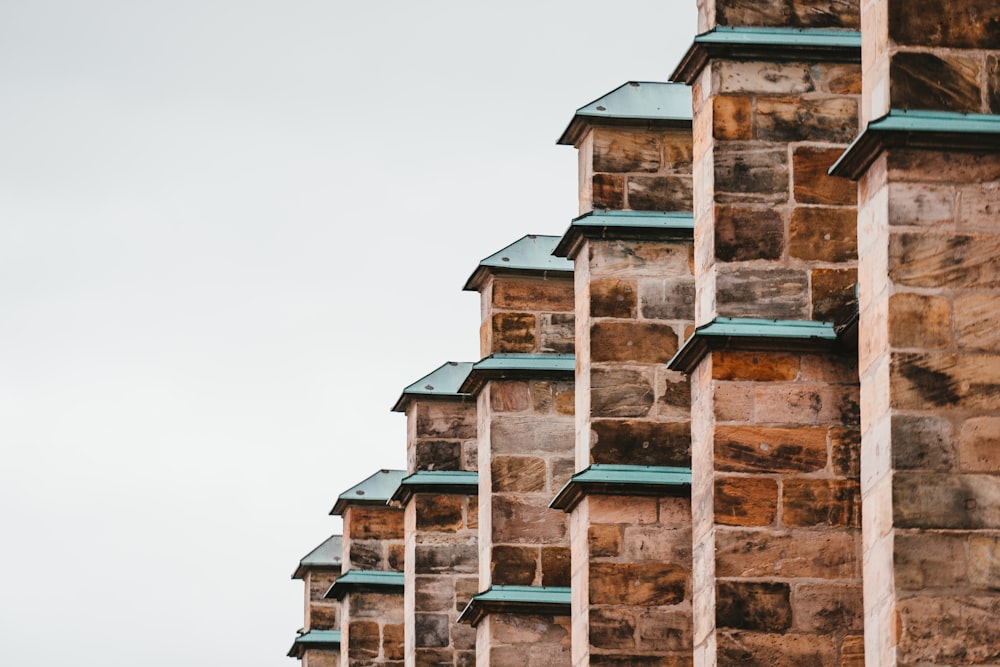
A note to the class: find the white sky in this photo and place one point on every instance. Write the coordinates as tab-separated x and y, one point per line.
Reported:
231	231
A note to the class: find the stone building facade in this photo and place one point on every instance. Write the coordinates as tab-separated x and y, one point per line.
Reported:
746	410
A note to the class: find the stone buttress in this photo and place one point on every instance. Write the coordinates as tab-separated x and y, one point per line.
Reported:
440	498
775	399
928	166
318	643
370	589
524	391
629	501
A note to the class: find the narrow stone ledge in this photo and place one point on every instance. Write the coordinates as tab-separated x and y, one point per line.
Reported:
748	334
516	366
328	639
436	481
625	225
365	580
554	600
623	480
934	130
769	44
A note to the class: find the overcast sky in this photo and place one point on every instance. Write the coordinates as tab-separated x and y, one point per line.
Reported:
231	231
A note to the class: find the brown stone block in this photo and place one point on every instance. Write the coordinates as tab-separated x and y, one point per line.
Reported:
396	556
509	396
378	523
976	316
639	584
613	298
852	651
821	502
514	332
558	331
609	191
944	260
367	554
932	82
435	593
992	84
978	205
632	510
928	560
837	78
789	13
611	628
744	233
446	419
752	649
533	294
749	605
845	452
984	561
641	442
780	294
970	24
555	566
824	234
633	259
393	647
667	299
746	501
761	77
430	630
796	119
946	501
732	117
733	402
604	541
804	404
922	443
363	639
463	637
319	583
663	542
621	151
770	449
920	204
440	513
630	660
813	554
641	342
919	320
935	167
659	193
812	184
465	588
322	617
441	558
678	151
751	175
472	513
968	381
954	630
978	442
755	366
531	435
827	609
674	399
433	657
517	473
560	471
666	630
519	522
833	295
620	392
438	455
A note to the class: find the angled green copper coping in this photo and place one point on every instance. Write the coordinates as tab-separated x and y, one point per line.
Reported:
436	481
531	254
517	599
327	555
443	382
752	334
920	129
651	101
774	44
365	580
376	490
510	366
626	225
625	480
314	639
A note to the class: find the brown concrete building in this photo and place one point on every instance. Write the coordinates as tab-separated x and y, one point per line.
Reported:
746	411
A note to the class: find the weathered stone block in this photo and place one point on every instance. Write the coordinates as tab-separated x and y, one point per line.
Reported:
755	366
745	233
434	593
611	628
946	501
761	77
640	584
659	193
804	404
433	657
751	175
976	321
733	402
922	443
746	501
979	444
963	381
555	566
626	151
658	543
934	82
438	455
396	556
608	191
514	332
363	639
827	609
367	555
439	512
824	234
519	522
393	647
949	630
750	649
533	294
531	435
833	295
929	560
377	523
620	392
641	442
731	117
441	558
613	298
845	451
795	553
811	182
674	397
970	24
667	299
797	119
633	259
921	204
821	502
781	294
604	541
445	419
748	605
770	449
852	651
517	473
431	630
642	342
788	13
919	320
634	510
323	617
557	332
509	396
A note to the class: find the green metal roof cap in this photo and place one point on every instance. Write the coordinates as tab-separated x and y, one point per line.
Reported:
746	326
436	481
516	599
621	479
531	253
314	639
364	579
609	472
641	224
527	362
328	554
780	36
376	490
635	100
444	382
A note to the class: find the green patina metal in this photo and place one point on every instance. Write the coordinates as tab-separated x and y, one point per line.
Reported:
517	599
364	580
927	129
511	366
752	334
792	37
436	481
615	479
530	254
603	224
633	101
327	555
443	382
376	490
314	639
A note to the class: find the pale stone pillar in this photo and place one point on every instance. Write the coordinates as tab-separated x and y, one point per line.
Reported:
930	353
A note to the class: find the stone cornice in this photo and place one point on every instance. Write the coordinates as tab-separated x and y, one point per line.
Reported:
517	600
518	367
436	481
638	225
623	480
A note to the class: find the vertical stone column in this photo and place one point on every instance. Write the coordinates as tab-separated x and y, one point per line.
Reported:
776	90
318	645
630	521
371	587
525	397
440	497
930	353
